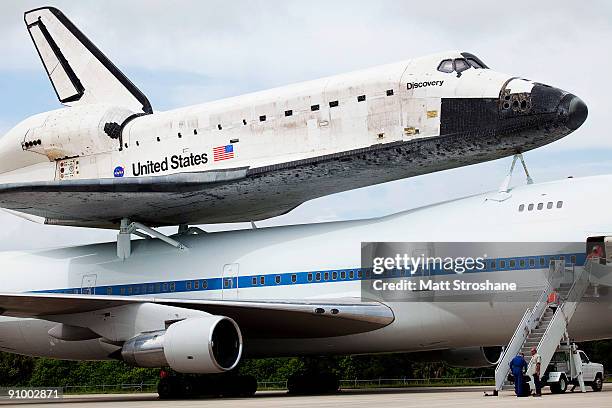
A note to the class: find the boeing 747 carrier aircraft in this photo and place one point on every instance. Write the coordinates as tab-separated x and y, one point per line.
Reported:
296	290
107	156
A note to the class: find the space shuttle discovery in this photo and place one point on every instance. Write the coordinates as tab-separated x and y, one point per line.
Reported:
107	156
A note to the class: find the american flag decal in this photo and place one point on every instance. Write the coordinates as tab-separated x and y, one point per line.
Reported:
223	152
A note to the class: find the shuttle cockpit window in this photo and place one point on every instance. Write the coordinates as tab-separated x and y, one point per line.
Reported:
474	61
461	65
446	66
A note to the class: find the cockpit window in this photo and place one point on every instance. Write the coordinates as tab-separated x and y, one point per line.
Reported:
473	63
474	60
461	65
446	66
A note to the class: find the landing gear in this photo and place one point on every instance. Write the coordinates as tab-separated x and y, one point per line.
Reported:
179	386
313	383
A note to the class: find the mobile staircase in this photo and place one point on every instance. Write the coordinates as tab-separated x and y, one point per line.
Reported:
544	326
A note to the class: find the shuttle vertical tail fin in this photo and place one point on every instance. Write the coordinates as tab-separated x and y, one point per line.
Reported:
79	71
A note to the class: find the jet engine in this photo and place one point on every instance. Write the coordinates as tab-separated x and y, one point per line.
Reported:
465	357
199	345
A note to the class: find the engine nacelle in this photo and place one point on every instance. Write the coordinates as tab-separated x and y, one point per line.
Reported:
199	345
77	131
465	357
69	132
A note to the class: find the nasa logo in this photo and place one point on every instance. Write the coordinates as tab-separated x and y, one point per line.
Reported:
119	171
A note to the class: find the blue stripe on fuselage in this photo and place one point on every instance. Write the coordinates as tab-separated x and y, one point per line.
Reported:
303	278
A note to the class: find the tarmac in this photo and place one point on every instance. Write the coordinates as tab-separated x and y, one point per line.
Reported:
430	397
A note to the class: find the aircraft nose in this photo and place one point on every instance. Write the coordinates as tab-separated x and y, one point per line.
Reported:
577	111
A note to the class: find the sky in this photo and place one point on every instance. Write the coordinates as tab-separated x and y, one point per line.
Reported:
185	52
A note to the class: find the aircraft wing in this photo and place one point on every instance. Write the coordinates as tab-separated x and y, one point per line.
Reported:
257	319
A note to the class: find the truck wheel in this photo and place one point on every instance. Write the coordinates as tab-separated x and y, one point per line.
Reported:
597	384
559	387
562	385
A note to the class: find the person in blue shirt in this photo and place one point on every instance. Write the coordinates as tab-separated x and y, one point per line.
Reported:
518	366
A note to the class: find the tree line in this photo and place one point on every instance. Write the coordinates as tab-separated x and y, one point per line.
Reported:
18	370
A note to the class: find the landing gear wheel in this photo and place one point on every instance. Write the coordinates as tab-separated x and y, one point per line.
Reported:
167	388
311	383
597	384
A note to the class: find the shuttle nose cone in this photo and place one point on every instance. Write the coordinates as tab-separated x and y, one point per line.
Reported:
577	111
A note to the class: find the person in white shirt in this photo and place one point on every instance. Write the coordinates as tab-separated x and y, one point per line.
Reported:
535	357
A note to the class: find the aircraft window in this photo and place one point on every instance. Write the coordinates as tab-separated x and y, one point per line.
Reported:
262	118
334	275
351	275
244	122
530	207
195	131
179	135
542	261
359	274
502	264
540	206
512	263
521	207
343	275
172	286
318	276
531	262
310	277
165	287
293	278
522	263
461	65
493	265
137	143
333	104
473	63
277	279
549	205
262	280
122	291
157	288
289	112
219	126
367	274
472	58
326	276
446	66
254	281
559	204
130	290
159	140
361	98
227	283
196	284
151	288
314	108
389	92
109	291
573	259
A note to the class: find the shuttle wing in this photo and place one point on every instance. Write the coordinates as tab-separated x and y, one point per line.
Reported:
277	319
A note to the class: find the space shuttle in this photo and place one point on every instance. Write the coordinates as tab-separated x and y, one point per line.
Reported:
107	156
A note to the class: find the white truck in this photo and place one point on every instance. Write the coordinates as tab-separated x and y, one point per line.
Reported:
565	368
